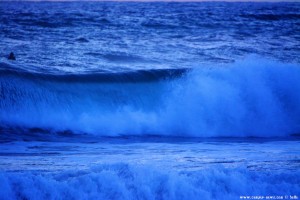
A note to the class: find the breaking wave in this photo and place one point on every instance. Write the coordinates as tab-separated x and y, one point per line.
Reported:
122	181
254	97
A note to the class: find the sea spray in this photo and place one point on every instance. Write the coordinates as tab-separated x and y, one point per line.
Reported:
252	97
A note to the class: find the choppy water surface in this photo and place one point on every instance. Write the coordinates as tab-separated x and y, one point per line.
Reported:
88	37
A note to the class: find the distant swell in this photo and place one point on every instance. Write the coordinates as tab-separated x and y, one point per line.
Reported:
254	97
273	17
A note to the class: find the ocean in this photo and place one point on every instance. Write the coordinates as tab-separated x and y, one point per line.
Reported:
149	100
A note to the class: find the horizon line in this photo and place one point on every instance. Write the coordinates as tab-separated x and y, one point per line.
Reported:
163	1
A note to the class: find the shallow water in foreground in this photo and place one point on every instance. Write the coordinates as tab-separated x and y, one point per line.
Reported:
149	168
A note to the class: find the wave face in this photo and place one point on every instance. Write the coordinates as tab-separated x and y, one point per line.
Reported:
254	97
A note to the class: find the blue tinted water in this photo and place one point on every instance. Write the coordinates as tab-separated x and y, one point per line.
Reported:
109	100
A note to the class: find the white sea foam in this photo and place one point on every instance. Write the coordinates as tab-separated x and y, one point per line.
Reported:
122	181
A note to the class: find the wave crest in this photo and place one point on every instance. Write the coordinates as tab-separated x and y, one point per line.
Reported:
254	97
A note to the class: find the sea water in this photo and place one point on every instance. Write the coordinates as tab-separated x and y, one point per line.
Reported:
115	100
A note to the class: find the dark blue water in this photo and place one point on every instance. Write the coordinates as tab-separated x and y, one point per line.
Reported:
112	37
109	100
